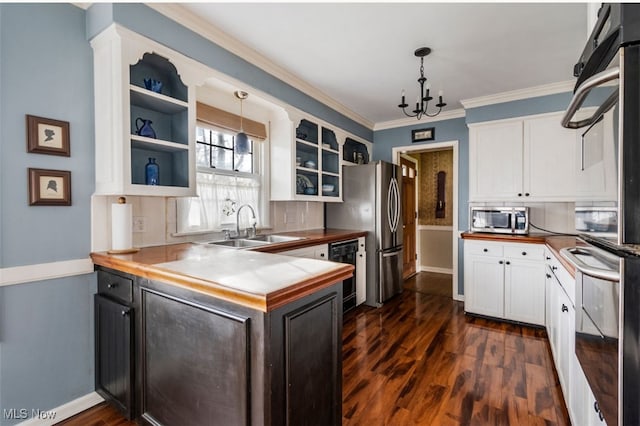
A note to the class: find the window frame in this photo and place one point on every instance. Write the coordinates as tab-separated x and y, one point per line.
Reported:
260	165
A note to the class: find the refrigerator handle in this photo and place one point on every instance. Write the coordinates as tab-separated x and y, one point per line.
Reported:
394	205
392	254
390	213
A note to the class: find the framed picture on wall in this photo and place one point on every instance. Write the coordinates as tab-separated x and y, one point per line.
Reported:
47	136
419	135
49	187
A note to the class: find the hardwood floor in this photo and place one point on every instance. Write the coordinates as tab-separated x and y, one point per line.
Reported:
430	283
420	361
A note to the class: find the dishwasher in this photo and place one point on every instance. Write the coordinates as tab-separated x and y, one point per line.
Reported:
345	252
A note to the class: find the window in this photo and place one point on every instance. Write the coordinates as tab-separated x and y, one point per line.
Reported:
226	179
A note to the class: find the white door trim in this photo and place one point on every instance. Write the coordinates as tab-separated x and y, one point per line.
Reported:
396	152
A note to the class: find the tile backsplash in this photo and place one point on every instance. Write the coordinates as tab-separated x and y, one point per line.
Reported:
154	220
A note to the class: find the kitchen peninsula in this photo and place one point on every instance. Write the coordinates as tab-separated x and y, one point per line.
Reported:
193	334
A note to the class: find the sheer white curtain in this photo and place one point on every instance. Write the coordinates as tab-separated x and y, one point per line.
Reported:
220	196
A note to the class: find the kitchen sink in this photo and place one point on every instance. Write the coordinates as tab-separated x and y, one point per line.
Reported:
257	241
238	243
275	238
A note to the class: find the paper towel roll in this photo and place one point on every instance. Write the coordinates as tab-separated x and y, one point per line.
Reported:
121	220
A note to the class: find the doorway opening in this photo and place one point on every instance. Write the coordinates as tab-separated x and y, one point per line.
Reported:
431	216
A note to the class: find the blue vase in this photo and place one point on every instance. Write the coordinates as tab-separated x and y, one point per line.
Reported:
146	129
152	172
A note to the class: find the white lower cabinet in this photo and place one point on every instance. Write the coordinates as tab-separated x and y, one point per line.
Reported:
505	280
361	272
560	324
320	251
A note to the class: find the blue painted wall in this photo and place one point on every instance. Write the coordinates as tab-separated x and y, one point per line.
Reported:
46	328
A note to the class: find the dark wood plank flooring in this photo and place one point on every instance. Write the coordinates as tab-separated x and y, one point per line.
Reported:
420	361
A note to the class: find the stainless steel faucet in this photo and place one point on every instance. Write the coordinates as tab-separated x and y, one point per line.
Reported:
255	221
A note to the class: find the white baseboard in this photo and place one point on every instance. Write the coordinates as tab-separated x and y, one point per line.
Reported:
64	411
435	269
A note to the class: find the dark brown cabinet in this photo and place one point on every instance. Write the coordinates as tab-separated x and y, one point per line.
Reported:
114	353
203	361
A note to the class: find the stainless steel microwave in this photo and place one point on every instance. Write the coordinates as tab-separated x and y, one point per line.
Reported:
499	220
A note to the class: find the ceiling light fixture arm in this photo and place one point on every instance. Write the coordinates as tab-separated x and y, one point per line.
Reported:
422	102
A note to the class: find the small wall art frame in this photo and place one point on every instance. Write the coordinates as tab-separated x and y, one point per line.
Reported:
49	187
419	135
48	136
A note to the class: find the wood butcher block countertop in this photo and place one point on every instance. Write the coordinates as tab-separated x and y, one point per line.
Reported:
554	242
251	278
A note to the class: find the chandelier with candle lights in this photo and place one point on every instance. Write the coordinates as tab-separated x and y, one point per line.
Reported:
422	102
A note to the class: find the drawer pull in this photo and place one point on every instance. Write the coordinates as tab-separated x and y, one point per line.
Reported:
564	308
548	258
125	313
524	253
554	268
112	285
485	250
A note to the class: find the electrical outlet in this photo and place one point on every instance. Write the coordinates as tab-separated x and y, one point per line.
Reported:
139	224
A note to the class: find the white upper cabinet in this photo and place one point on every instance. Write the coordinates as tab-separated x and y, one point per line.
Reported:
549	159
524	159
495	161
125	102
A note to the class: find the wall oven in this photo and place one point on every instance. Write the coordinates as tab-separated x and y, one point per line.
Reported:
597	323
608	196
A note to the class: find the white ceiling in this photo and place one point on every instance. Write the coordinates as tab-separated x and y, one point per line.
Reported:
361	54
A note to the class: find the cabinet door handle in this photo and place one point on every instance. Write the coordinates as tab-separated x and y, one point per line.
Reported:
125	313
112	285
548	258
321	254
524	253
485	250
548	276
526	194
519	194
600	416
596	407
501	262
508	263
565	308
554	268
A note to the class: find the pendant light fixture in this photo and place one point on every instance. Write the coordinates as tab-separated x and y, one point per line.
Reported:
242	140
422	102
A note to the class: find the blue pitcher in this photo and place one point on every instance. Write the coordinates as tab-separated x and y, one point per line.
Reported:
146	130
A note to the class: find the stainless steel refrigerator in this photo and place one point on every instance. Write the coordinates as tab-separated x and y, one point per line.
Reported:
372	202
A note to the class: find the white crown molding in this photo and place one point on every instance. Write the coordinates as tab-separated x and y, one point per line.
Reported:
44	271
515	95
409	121
70	409
188	19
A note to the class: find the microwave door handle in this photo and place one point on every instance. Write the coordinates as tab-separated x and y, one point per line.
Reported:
581	94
